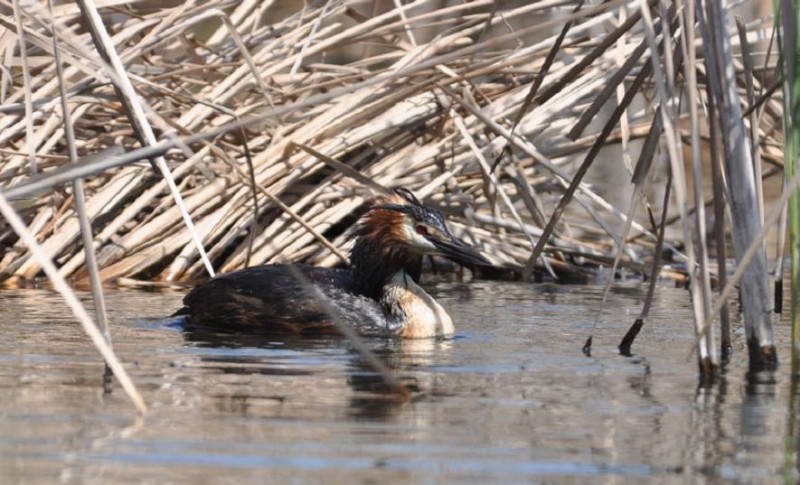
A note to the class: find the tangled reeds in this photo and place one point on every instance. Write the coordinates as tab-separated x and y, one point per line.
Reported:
275	130
424	130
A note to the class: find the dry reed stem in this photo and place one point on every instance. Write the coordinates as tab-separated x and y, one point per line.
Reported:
630	336
707	352
752	250
347	330
690	72
741	188
80	198
26	76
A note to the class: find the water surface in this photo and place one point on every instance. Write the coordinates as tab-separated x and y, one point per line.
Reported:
511	399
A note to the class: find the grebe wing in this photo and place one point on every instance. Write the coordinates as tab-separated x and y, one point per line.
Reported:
270	298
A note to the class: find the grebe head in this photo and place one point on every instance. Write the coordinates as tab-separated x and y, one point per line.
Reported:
401	223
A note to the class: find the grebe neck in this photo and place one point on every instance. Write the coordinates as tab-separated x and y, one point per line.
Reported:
374	265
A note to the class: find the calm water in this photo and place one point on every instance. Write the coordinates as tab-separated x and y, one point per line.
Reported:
512	399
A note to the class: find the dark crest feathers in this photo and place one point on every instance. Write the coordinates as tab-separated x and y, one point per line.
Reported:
394	207
407	195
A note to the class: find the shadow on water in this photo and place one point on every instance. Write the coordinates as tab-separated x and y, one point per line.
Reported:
511	399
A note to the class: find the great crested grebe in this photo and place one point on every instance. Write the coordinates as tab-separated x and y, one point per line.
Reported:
377	295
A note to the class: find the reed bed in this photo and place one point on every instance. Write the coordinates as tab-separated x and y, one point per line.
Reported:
276	132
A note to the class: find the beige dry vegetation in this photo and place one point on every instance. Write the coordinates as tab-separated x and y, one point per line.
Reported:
423	97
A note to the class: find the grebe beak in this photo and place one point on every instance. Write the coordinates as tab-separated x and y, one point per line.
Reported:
459	251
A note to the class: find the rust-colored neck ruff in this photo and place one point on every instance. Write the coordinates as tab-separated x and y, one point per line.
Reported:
380	250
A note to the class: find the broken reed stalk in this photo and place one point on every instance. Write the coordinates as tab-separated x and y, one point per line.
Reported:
738	162
789	46
630	336
79	194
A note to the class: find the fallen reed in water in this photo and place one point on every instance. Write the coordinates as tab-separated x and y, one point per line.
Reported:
273	129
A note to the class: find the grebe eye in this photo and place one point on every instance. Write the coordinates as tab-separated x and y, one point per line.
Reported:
422	230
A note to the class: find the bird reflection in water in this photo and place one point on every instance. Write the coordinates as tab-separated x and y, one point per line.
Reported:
308	363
